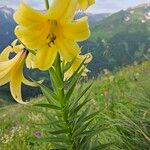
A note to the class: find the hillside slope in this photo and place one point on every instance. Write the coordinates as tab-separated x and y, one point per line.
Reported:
6	27
122	98
135	19
120	39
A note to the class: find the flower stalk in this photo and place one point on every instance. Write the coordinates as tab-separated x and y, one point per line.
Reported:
74	125
47	4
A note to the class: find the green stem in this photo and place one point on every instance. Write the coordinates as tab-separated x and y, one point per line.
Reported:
47	4
64	102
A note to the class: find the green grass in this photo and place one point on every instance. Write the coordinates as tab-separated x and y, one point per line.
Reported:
123	99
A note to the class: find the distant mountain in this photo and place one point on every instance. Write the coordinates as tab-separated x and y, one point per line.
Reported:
116	40
7	25
134	19
93	18
120	39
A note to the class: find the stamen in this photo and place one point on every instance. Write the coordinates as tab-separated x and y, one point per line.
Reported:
24	50
52	39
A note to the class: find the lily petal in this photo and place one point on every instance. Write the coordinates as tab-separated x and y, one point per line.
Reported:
9	63
29	83
5	53
78	30
26	15
45	57
5	79
30	61
16	48
62	9
15	83
31	40
69	49
69	14
84	4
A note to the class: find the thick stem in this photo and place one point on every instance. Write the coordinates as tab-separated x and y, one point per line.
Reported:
64	102
47	4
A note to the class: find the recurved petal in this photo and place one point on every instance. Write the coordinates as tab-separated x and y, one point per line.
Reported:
5	72
29	83
25	15
68	49
30	61
9	63
45	57
15	88
88	57
4	56
63	10
15	81
78	30
84	4
14	43
16	48
5	79
32	37
69	14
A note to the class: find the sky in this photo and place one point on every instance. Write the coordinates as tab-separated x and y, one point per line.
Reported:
101	6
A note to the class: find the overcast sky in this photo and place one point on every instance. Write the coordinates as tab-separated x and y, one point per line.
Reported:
101	6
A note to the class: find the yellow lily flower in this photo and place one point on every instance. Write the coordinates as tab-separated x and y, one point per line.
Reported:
14	47
51	32
84	4
12	71
10	49
77	62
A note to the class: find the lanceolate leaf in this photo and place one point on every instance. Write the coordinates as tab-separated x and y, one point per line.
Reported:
67	66
49	94
76	72
102	146
58	132
48	106
49	139
82	128
55	78
83	93
80	106
85	117
70	91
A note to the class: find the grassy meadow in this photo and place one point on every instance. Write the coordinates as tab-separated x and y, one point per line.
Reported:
123	99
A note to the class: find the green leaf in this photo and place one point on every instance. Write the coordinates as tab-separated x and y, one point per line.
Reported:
102	146
59	149
48	106
71	89
81	129
76	72
83	93
80	106
91	116
58	132
93	132
67	66
49	94
83	118
49	139
56	79
58	69
74	104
